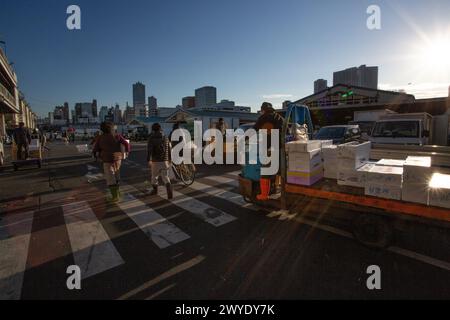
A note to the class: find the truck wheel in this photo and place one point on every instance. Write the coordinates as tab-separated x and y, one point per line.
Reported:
373	231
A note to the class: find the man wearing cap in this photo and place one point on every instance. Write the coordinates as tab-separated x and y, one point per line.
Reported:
268	120
22	138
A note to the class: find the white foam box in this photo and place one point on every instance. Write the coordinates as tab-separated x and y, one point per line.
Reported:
303	146
305	161
391	162
326	143
350	164
355	178
417	170
383	191
415	192
330	152
392	176
355	150
440	190
330	173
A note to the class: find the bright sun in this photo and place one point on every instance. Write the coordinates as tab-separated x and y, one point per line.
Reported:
434	54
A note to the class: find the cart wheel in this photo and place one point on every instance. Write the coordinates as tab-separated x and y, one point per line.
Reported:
373	231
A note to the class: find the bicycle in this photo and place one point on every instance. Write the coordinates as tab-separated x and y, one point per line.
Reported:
184	172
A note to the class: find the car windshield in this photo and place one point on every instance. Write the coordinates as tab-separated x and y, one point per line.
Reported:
396	129
330	133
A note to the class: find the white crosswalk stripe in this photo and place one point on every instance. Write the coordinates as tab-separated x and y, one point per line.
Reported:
199	209
224	180
15	233
223	194
93	251
162	232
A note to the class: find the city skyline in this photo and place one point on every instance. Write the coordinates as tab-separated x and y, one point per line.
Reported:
263	51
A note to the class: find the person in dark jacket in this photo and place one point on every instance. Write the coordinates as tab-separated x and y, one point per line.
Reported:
22	138
158	157
108	147
268	120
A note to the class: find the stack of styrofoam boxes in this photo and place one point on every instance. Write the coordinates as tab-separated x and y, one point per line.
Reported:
351	158
305	162
384	182
416	177
440	190
329	154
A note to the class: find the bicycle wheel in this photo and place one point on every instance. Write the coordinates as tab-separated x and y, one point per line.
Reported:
186	174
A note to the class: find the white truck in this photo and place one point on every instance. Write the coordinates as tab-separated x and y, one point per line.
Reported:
411	129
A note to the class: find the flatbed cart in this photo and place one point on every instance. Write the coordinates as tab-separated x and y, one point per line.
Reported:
372	220
35	157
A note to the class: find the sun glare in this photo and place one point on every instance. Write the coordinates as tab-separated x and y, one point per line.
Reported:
434	54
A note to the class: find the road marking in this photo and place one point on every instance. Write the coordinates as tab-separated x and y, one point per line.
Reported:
14	242
420	257
223	194
180	268
162	232
225	180
93	251
200	209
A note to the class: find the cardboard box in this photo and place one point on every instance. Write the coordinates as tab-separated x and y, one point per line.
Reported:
305	178
440	190
383	191
391	163
355	150
417	193
303	146
304	161
417	170
392	176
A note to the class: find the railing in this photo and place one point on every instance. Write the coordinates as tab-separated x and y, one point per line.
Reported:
7	65
8	97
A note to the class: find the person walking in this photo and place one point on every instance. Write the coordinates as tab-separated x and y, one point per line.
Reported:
22	138
158	158
269	120
108	147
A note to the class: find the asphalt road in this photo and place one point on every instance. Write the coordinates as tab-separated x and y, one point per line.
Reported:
206	243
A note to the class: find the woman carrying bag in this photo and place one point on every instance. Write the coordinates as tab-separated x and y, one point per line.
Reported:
111	147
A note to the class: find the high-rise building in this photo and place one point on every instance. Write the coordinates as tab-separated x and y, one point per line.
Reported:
103	113
205	97
117	115
363	76
94	108
188	102
152	106
139	99
320	85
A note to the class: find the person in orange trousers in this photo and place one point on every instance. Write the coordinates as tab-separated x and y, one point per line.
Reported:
268	120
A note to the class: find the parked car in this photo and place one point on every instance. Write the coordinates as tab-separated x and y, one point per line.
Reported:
339	134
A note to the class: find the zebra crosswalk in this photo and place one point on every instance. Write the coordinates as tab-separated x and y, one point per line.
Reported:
85	231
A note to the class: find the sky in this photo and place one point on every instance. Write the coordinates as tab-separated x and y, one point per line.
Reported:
251	50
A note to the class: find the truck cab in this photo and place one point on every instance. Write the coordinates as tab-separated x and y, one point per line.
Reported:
404	129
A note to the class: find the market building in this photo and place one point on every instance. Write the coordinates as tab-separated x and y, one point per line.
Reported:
337	105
